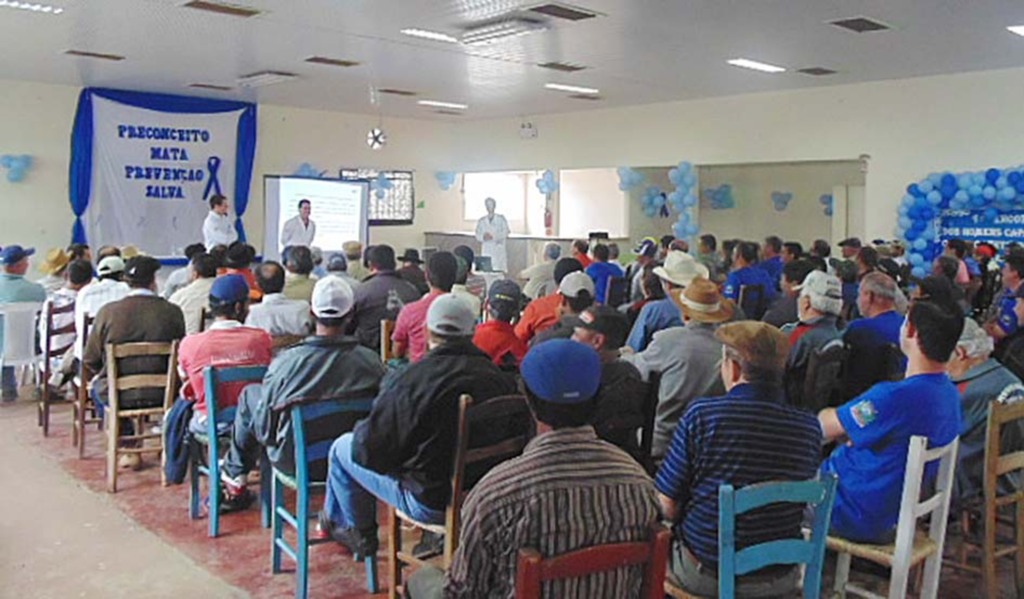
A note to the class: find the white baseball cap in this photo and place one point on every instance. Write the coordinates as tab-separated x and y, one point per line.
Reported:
332	298
574	283
450	315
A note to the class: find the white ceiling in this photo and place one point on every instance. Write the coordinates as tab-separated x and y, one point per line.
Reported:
639	52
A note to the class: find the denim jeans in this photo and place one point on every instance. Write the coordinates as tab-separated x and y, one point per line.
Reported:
352	492
697	579
244	450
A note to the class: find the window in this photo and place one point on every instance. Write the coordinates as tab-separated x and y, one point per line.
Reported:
510	189
397	207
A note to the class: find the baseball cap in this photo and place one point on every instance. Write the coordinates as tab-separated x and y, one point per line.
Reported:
141	268
608	321
229	289
337	263
332	298
13	254
574	283
820	283
853	242
110	265
504	291
759	343
562	371
450	315
647	247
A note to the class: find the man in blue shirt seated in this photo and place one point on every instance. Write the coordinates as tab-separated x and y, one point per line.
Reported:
745	437
772	262
679	270
601	270
878	425
745	273
874	340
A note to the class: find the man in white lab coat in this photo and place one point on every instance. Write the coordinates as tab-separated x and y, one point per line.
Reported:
299	230
219	227
492	231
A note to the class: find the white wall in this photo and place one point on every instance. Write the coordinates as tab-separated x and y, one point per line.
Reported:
590	200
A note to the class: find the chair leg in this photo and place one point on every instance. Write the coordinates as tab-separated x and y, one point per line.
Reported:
213	484
1018	540
80	426
113	432
394	546
842	574
193	484
302	545
266	476
372	586
990	528
44	410
277	524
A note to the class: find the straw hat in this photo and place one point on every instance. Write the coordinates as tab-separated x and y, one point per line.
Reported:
701	301
680	268
56	260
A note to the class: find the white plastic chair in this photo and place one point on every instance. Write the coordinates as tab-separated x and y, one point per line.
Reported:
911	547
19	331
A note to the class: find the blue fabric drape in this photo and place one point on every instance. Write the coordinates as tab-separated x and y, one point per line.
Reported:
80	170
244	156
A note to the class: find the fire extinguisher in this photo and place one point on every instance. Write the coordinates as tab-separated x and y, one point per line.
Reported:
547	218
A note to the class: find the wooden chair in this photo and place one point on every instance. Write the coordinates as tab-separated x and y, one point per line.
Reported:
911	547
167	382
616	291
387	327
752	301
532	569
986	513
213	378
84	411
307	452
474	420
824	377
51	351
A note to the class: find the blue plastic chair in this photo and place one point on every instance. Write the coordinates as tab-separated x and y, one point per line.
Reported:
731	563
212	378
306	452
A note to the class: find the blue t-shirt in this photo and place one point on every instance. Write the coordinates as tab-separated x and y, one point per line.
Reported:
600	272
654	316
773	267
879	424
749	275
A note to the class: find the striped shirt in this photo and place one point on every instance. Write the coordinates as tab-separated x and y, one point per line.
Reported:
747	436
569	490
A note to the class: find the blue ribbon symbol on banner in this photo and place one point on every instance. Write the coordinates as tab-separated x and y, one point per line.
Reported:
212	184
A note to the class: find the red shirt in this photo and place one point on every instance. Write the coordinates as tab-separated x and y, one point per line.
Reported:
540	314
255	293
225	343
584	259
497	338
411	329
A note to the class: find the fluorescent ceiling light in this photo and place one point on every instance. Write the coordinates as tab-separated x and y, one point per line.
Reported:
1018	29
746	63
32	6
488	34
430	35
573	89
438	104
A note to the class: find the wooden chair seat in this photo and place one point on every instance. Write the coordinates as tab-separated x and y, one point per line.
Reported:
434	528
884	554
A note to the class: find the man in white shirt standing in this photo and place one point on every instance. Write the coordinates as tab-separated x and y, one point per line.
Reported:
276	314
299	230
492	231
219	228
108	288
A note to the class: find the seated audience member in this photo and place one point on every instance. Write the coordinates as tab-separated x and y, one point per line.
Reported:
542	313
821	249
194	297
791	251
328	365
580	250
410	336
687	357
281	317
540	278
184	275
459	289
475	284
1011	276
318	262
53	268
337	265
298	284
957	250
226	343
353	251
238	261
402	452
981	380
846	272
645	253
79	251
77	275
745	437
946	267
381	296
108	288
1009	333
728	252
818	309
746	273
665	246
867	262
850	247
140	316
496	337
867	338
567	491
619	415
652	292
772	262
577	294
784	311
679	270
679	245
613	255
106	251
707	254
880	422
600	271
219	253
411	271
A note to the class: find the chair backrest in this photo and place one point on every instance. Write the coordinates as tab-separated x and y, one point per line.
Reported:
387	327
823	379
310	449
1002	416
214	377
49	349
893	360
752	301
820	494
165	381
19	330
616	291
532	569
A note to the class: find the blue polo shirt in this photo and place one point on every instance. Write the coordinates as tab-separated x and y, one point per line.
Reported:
879	424
654	316
750	435
749	275
772	267
600	272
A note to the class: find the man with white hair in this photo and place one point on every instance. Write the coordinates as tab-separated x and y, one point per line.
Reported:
871	339
818	306
540	278
981	379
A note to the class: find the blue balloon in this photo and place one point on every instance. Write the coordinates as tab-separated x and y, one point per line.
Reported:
828	210
1007	193
914	190
926	186
977	202
934	197
916	259
15	174
904	222
978	178
685	167
1001	182
975	190
674	176
689	179
991	175
961	196
991	214
948	180
1013	178
963	181
689	200
691	229
918	272
912	234
679	229
989	192
903	210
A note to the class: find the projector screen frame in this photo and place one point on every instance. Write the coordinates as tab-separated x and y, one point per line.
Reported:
271	251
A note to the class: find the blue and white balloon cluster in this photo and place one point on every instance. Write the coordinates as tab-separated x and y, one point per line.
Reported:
547	184
781	200
308	170
17	166
381	185
629	178
445	179
720	197
654	202
827	201
682	199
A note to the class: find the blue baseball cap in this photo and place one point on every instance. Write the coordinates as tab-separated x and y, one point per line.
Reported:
229	289
14	254
562	371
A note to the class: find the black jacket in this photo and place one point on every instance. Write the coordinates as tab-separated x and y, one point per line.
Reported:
410	432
